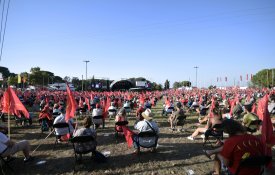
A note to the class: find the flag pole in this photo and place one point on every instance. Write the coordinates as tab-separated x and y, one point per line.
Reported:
9	127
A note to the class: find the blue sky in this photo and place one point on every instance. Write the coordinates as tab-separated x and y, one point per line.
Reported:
155	39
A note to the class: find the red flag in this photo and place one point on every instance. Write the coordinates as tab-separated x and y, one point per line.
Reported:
71	104
80	102
267	128
12	104
88	103
128	135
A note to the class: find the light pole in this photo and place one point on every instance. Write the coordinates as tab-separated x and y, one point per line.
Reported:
86	61
196	67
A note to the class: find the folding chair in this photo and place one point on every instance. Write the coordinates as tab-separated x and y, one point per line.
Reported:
254	163
118	128
254	123
97	121
147	139
112	113
64	126
216	131
5	163
80	148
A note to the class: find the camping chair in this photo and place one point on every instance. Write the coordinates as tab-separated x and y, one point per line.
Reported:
118	128
80	148
148	139
58	137
97	121
253	163
255	123
112	113
216	131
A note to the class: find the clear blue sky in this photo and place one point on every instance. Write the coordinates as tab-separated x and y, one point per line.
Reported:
155	39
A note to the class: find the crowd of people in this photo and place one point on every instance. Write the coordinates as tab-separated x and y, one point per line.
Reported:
233	109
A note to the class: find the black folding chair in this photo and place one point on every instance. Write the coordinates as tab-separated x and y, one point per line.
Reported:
5	163
60	126
180	121
97	121
147	139
118	128
80	141
254	162
216	132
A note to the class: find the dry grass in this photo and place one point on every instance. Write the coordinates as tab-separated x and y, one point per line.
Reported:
175	154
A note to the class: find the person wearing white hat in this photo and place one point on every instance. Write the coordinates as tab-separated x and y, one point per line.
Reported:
144	126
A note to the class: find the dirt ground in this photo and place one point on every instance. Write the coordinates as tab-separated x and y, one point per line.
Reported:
175	154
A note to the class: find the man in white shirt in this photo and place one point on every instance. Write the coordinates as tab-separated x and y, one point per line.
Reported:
61	119
9	147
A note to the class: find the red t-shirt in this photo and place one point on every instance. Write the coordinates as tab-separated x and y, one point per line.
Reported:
236	147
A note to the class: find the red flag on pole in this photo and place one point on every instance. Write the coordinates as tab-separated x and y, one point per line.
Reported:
71	104
12	104
88	103
267	129
128	135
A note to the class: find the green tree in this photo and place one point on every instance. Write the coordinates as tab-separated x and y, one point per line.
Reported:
5	72
12	80
176	85
263	78
67	79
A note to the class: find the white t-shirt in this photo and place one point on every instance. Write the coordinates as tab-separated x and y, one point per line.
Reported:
3	140
142	126
63	131
97	112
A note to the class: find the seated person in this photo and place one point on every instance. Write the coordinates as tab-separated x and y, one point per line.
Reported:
127	106
9	147
61	119
148	104
237	110
121	116
216	119
271	105
144	126
139	112
168	108
86	131
237	147
249	117
46	114
176	116
112	110
56	110
97	111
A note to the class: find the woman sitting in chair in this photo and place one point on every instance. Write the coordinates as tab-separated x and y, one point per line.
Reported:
86	131
177	116
120	117
215	119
